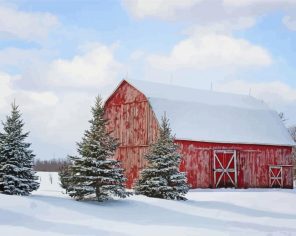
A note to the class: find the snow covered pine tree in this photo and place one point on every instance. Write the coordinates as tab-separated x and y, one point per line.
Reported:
94	173
16	159
64	175
162	178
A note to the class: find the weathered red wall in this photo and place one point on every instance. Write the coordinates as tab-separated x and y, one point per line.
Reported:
252	163
133	122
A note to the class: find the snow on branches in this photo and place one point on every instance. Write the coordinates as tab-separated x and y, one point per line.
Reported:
94	173
162	178
16	158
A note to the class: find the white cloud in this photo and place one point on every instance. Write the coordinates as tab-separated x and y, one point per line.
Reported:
271	92
6	89
94	67
160	8
57	120
278	95
34	104
68	119
244	3
56	111
44	98
23	58
222	27
212	50
290	22
29	99
206	13
31	26
137	55
49	115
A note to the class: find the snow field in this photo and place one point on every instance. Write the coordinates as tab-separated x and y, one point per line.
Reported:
207	212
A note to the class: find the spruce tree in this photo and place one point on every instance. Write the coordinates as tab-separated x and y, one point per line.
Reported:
65	176
94	173
16	158
162	178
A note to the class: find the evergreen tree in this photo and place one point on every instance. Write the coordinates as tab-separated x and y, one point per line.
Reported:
94	173
65	175
162	178
16	158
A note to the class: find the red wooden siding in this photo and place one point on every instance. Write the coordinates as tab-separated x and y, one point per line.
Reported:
133	122
252	163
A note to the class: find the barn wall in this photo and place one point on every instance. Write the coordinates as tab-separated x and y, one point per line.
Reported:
252	163
132	121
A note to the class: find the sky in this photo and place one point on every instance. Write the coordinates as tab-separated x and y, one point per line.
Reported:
56	56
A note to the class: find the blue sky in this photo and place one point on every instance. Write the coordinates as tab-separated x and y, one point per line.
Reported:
56	56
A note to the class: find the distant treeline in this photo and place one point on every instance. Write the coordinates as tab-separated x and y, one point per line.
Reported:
53	165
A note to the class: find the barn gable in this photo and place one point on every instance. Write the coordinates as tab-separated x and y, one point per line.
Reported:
209	116
132	122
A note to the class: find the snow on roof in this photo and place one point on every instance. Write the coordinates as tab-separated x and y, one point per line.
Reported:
210	116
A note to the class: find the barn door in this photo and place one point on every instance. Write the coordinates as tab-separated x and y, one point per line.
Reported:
225	173
275	176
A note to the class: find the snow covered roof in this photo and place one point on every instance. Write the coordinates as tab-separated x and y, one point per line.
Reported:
210	116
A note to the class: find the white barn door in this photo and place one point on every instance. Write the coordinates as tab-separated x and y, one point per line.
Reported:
224	167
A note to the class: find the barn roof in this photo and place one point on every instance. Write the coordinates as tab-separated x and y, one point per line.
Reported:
210	116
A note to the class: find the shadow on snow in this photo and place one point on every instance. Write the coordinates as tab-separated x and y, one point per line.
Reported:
138	212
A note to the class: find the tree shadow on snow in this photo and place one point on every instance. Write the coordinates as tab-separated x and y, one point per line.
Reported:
22	220
139	212
239	209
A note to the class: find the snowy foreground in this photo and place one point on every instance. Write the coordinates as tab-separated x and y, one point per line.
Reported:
207	212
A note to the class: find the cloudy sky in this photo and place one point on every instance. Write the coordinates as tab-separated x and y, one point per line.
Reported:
57	55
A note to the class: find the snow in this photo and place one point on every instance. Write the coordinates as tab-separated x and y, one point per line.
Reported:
207	212
209	116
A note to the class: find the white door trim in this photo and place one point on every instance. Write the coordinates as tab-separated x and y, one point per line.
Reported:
227	169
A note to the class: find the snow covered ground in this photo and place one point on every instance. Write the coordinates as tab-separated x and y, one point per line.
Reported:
207	212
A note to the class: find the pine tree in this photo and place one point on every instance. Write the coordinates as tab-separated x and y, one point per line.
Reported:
162	178
95	174
65	175
16	158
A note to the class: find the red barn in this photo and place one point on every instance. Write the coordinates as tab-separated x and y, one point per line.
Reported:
226	140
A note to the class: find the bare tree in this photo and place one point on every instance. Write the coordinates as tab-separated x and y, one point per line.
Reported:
282	117
50	178
53	165
292	131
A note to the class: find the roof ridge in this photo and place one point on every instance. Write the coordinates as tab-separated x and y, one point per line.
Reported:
167	91
191	88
